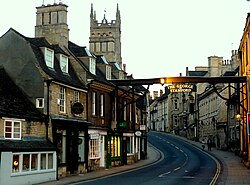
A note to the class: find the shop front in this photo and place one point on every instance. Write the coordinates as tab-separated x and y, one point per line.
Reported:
70	136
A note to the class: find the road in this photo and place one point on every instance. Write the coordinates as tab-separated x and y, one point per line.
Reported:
181	163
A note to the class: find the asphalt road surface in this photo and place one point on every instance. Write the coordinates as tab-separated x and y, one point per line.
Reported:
181	163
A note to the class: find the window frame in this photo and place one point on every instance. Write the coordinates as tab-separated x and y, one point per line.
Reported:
64	63
76	96
12	132
93	103
62	100
49	63
108	72
94	149
92	65
102	103
38	165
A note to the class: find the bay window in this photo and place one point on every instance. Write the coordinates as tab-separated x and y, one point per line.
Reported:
33	162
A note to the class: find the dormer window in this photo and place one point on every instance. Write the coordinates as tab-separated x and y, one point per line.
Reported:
49	57
92	65
108	72
64	63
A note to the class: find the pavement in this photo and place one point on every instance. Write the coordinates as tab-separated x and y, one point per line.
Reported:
232	172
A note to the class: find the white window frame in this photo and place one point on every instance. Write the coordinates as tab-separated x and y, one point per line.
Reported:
130	146
92	65
76	96
21	171
13	132
93	103
94	149
102	105
108	72
64	63
62	98
40	103
49	59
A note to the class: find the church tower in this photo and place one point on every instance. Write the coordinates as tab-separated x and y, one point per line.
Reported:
105	37
51	23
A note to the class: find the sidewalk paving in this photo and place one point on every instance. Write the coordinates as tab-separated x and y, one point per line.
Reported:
233	172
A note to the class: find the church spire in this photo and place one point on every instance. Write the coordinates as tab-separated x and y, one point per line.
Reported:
118	16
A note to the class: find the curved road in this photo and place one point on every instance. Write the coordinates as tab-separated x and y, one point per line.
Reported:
181	163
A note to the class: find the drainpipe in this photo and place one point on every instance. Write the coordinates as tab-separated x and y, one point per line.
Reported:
48	82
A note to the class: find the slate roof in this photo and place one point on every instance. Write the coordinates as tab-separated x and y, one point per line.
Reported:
13	103
56	73
79	51
26	146
197	73
230	73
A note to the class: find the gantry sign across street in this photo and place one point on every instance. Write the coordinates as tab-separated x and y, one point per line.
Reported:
179	79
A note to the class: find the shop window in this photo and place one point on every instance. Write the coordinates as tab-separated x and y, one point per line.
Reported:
16	163
43	162
26	162
29	162
130	145
50	161
115	146
94	149
81	147
34	162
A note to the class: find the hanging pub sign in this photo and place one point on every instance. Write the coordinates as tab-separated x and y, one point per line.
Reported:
175	88
77	108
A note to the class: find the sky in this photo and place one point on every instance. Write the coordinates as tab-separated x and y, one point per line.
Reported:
159	38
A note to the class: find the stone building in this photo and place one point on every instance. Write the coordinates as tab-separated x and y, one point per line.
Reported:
92	122
27	155
244	94
215	104
105	37
159	112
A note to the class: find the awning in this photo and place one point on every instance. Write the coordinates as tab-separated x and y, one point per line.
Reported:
64	122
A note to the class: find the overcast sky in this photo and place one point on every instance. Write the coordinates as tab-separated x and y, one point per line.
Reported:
159	38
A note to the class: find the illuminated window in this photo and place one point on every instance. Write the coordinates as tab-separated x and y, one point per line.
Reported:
115	146
29	162
12	129
16	164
